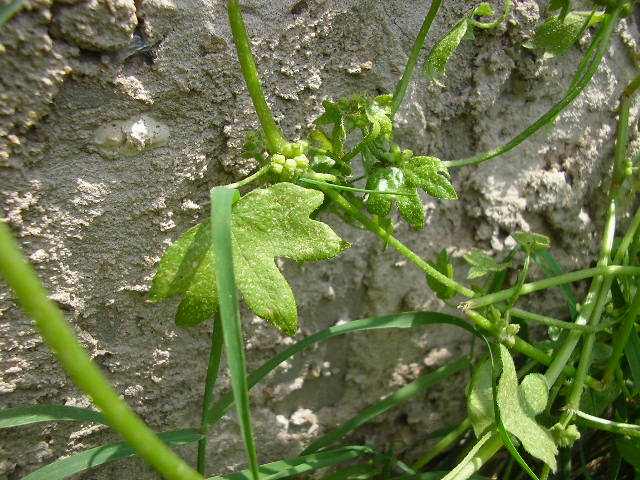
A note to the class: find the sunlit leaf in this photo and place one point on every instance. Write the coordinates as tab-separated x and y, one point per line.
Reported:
429	174
519	404
555	36
266	223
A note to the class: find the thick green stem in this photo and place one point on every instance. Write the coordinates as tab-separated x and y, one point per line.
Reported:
591	421
401	88
395	243
213	368
250	73
527	288
602	38
21	277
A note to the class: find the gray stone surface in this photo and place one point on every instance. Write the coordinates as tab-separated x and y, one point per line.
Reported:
95	211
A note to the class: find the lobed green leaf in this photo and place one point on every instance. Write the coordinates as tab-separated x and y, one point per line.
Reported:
266	223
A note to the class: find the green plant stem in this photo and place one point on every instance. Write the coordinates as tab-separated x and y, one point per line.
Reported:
395	243
524	347
250	178
622	137
21	277
316	183
213	368
401	88
607	425
250	73
443	444
602	38
621	337
498	21
527	288
482	451
550	321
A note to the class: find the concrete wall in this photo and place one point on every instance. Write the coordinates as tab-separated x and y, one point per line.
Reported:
95	211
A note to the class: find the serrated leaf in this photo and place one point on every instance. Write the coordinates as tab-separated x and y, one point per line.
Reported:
520	404
392	179
531	241
483	264
266	223
429	174
557	35
441	52
443	265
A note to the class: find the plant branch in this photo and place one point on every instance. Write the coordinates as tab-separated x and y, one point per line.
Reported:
395	243
250	73
401	88
527	288
602	39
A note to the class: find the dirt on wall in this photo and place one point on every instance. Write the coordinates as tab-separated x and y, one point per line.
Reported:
118	116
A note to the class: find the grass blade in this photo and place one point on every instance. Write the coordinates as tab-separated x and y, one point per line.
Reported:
221	202
401	320
95	457
303	464
14	417
400	396
10	10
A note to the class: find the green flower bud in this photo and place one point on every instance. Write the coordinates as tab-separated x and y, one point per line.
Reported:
276	168
278	159
302	162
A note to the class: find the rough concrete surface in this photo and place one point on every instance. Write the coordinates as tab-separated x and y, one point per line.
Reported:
116	117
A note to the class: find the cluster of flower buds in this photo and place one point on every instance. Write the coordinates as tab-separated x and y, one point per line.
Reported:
395	156
292	163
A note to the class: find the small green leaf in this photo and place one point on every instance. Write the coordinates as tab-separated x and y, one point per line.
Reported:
484	9
440	54
556	36
520	404
443	265
429	174
483	264
266	223
531	241
392	179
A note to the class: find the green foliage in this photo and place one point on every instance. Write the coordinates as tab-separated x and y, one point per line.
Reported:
530	241
440	54
518	406
559	33
237	249
266	223
443	265
482	264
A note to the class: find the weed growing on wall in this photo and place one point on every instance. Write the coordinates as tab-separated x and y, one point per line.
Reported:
533	399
